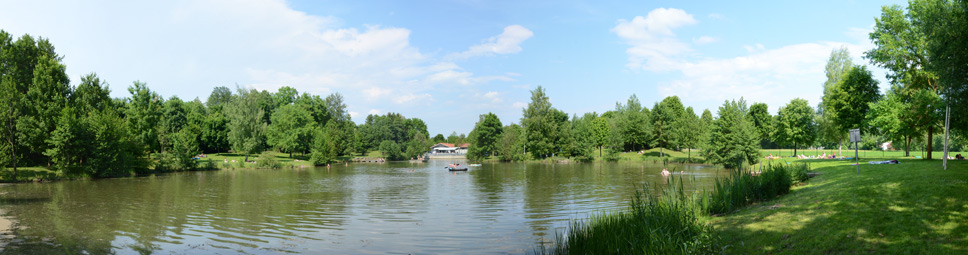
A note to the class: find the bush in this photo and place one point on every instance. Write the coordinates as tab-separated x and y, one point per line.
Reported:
743	188
670	223
799	172
267	160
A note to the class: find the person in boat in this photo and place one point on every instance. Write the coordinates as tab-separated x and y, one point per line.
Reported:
665	172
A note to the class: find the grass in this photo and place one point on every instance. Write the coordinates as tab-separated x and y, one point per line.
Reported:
911	208
670	223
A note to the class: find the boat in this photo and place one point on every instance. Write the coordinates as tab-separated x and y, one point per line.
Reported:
453	167
474	165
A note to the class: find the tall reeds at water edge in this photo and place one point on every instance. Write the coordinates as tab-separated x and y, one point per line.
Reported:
743	187
671	220
668	223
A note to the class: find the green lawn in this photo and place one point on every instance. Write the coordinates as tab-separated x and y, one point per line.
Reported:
911	208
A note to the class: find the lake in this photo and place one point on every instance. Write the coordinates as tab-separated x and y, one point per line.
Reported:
391	208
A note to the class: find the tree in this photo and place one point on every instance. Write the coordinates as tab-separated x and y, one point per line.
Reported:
291	129
439	138
762	121
92	94
143	114
11	100
602	132
511	143
220	96
44	99
943	23
173	119
705	129
584	133
733	141
691	131
903	114
795	124
285	96
484	137
323	152
391	150
540	126
901	47
851	98
838	65
634	124
666	130
246	125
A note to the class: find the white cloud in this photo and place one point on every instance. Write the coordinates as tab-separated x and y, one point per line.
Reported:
704	40
769	75
374	112
653	44
519	105
508	42
423	99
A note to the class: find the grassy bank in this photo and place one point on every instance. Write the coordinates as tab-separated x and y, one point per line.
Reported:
911	208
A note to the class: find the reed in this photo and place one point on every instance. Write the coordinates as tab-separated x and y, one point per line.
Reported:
743	187
668	223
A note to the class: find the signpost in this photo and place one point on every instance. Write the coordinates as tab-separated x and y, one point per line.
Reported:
855	137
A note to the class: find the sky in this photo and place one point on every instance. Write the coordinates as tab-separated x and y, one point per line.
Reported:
448	62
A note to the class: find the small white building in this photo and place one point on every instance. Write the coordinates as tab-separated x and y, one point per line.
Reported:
449	148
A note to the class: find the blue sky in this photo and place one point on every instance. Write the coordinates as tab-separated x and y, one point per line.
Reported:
447	62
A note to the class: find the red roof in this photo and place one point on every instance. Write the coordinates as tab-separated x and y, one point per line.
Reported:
463	145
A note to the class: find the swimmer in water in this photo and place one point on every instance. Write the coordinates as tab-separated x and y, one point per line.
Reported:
665	172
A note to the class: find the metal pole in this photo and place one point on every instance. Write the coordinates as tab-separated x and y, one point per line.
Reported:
947	120
857	159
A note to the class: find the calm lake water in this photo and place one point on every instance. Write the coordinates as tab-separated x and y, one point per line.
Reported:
392	208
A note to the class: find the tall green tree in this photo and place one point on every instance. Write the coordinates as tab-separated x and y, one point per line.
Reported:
851	98
47	94
838	65
691	131
540	125
511	144
733	140
246	124
763	121
943	23
484	137
667	128
705	129
634	123
794	125
143	114
291	129
586	140
602	133
901	47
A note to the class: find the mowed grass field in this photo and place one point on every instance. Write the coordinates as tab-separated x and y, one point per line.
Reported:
914	207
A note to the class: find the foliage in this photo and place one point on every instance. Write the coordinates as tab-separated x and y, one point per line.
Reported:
511	144
733	140
583	131
633	123
291	129
484	137
246	125
391	150
794	124
669	223
850	100
323	152
667	117
267	160
690	132
762	120
540	122
742	188
143	114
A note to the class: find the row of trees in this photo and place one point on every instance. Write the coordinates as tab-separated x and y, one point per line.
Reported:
82	131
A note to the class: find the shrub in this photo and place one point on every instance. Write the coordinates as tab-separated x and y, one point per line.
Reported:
799	172
267	160
670	223
743	188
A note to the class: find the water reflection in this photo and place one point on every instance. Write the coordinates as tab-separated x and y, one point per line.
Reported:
375	208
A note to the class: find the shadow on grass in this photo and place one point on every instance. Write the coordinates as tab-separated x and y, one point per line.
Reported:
911	208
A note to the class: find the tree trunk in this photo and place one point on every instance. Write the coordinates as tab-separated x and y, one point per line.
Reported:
600	151
930	134
907	147
794	149
689	156
840	148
